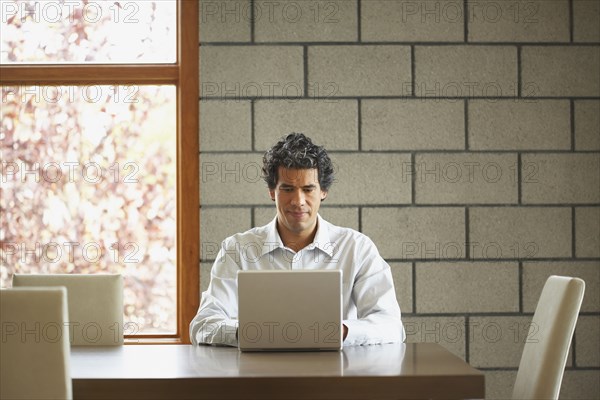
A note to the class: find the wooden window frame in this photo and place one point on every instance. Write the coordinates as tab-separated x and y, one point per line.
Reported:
184	74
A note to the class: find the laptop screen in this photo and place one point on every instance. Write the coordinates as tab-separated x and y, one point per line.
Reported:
290	310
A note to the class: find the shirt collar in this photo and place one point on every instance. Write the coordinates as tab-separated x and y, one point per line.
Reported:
272	240
321	241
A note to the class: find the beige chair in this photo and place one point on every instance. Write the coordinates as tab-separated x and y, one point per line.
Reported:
95	305
34	349
545	354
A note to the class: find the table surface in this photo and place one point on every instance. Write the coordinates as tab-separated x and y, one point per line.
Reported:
417	370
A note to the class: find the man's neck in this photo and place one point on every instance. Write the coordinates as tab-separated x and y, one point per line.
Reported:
294	241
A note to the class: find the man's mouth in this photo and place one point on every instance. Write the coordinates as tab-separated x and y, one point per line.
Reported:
297	214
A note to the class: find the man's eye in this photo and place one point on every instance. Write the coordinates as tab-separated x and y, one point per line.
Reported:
308	190
286	189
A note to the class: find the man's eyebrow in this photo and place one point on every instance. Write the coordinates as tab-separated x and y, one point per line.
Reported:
288	185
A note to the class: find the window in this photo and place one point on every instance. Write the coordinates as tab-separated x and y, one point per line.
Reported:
99	147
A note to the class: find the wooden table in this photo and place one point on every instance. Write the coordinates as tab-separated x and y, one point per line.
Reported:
392	371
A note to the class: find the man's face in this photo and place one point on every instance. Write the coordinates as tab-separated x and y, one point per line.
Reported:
298	197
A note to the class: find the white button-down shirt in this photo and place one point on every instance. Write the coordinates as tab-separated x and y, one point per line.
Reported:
371	311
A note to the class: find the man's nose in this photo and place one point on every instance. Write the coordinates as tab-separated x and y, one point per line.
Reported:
298	198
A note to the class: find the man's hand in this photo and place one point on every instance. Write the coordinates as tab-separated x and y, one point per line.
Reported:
345	332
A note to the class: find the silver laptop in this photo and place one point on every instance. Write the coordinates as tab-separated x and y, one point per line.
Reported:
290	310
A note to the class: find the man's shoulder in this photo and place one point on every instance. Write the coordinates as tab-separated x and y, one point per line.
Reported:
254	235
342	233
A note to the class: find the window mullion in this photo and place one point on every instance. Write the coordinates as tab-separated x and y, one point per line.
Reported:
88	74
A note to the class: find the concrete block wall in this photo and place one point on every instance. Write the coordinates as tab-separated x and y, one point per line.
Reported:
466	139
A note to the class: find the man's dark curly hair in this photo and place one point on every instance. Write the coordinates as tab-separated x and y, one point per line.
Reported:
297	151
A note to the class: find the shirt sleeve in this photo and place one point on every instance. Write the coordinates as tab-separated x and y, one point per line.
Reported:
216	321
379	319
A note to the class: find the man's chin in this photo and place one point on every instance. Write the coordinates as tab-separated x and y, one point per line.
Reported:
299	227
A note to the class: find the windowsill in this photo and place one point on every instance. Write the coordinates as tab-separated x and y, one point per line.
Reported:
152	340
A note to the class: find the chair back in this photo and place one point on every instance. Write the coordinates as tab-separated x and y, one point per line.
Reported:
95	305
34	344
547	346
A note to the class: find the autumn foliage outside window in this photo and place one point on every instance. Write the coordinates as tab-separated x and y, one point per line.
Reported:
88	171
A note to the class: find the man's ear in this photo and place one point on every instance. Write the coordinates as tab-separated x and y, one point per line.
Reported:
272	194
323	196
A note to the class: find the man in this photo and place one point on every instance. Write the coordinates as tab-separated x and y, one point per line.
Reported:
298	174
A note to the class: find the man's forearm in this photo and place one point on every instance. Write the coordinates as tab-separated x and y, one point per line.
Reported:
215	331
